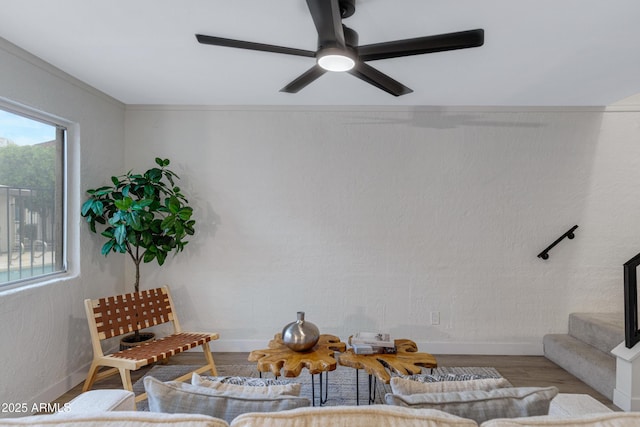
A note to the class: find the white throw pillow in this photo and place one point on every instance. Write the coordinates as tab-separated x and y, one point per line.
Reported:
353	416
405	386
115	419
250	387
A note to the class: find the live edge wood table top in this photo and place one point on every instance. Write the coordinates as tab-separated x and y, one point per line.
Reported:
281	360
406	361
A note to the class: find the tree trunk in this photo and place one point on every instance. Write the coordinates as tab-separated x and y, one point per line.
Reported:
136	286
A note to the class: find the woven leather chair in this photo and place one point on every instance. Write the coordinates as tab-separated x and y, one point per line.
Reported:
122	314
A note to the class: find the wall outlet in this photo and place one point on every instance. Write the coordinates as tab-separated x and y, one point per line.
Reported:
435	317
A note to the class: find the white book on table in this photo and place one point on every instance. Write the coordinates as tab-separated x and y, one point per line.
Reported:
374	339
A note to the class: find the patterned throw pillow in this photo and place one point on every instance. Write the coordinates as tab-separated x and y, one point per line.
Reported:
434	378
248	381
248	385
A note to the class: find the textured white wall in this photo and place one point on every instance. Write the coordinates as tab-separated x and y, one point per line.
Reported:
372	219
44	337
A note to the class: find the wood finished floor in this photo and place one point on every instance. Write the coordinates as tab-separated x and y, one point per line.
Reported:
521	371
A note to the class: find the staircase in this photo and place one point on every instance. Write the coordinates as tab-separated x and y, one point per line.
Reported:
585	350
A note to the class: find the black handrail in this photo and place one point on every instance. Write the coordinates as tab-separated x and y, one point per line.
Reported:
569	234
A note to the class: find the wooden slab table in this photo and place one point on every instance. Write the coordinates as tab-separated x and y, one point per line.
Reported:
405	361
281	360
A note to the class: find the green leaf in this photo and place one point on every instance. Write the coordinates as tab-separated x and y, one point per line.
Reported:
98	207
86	207
115	180
141	204
179	228
161	255
147	239
156	226
108	233
103	191
149	191
154	174
167	223
120	233
107	247
148	256
116	218
185	213
174	205
134	221
124	204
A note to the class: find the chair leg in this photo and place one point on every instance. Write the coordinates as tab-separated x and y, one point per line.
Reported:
207	354
125	375
91	376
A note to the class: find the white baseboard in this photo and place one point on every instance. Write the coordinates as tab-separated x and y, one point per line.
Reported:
486	348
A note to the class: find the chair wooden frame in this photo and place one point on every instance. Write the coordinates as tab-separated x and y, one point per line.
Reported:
122	314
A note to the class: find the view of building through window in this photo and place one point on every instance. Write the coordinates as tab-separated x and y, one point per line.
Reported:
31	202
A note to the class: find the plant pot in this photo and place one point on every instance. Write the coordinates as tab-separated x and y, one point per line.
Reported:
129	341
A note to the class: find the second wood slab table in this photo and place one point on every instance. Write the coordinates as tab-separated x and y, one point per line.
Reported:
281	360
405	361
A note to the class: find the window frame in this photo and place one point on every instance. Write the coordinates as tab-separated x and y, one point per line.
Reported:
61	203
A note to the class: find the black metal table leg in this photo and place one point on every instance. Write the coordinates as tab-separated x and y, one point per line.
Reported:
357	388
322	399
372	396
373	380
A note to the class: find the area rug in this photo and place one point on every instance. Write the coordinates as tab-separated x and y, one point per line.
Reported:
342	381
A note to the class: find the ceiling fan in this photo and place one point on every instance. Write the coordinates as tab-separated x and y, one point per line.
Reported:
338	48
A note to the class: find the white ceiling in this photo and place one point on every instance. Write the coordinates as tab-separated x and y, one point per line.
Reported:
536	52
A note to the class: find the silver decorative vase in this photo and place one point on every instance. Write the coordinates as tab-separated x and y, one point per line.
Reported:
300	335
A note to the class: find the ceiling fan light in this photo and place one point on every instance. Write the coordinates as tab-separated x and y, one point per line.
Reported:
335	60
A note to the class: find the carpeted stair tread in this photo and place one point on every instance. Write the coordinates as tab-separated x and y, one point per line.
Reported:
603	331
594	367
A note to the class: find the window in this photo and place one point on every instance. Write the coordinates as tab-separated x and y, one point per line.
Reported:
32	240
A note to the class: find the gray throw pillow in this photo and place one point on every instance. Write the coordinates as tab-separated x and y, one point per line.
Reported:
480	405
177	397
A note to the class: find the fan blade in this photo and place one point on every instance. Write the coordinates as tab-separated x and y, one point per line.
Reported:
420	45
378	79
304	79
328	22
219	41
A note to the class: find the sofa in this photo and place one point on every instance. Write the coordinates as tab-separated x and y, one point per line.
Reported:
115	408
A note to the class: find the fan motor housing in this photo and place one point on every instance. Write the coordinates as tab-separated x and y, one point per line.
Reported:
347	8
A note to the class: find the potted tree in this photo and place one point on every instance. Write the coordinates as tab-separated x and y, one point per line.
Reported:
143	215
